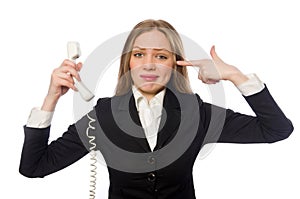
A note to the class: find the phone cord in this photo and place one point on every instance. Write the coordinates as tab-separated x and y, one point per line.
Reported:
93	158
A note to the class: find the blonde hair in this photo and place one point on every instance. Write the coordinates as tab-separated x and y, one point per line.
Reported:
179	79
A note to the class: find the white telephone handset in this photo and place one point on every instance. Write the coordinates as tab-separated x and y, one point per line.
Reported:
74	53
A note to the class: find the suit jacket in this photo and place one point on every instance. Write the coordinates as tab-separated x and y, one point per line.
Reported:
135	172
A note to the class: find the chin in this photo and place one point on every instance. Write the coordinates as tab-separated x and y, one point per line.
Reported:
151	88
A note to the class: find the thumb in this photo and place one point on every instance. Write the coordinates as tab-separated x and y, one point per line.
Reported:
79	66
214	55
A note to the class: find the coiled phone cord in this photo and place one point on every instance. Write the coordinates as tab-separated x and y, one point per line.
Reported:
92	158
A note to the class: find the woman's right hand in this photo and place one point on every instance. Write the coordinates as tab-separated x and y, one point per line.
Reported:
61	82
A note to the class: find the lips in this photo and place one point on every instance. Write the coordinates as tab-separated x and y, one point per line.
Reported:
149	78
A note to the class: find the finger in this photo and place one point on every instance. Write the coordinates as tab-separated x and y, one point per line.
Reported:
202	77
70	70
66	77
65	83
214	55
197	63
68	62
184	63
79	66
207	81
212	81
59	75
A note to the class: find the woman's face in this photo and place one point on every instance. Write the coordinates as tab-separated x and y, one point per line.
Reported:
151	62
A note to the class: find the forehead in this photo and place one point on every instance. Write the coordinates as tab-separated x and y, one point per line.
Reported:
153	39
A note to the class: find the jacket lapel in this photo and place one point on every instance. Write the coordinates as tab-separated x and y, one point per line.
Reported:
128	120
170	120
142	141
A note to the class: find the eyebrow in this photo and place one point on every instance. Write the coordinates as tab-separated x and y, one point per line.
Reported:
156	49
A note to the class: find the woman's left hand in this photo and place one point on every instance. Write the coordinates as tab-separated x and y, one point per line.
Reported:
213	70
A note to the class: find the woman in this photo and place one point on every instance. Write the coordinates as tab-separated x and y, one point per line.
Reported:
152	130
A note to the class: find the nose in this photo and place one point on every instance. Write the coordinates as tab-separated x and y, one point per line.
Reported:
149	63
149	66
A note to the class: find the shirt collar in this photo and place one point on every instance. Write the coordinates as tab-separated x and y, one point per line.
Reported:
141	101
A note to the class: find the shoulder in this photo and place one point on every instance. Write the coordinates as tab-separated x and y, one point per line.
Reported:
108	103
103	102
182	100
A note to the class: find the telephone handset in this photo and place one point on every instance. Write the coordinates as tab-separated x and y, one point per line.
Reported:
74	53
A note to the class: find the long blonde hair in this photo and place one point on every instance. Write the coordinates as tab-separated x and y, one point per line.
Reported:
179	79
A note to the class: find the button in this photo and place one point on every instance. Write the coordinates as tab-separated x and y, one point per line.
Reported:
151	177
151	160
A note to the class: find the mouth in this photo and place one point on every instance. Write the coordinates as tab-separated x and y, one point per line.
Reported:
149	78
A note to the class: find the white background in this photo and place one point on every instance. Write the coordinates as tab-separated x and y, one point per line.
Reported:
257	36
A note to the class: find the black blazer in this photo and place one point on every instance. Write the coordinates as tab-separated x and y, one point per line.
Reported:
135	172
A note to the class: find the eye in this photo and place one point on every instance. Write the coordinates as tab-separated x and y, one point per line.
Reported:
137	54
162	57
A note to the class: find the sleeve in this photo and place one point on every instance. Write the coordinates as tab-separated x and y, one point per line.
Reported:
252	86
226	126
39	118
39	158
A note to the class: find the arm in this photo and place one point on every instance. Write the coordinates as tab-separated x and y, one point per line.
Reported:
269	125
38	158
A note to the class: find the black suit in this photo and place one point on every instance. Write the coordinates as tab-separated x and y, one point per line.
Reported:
135	171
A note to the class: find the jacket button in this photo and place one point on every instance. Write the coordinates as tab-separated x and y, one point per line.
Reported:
151	160
151	177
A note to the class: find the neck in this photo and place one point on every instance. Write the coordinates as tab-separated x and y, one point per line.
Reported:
149	95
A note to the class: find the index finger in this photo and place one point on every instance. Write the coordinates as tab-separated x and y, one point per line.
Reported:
68	62
184	63
198	63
